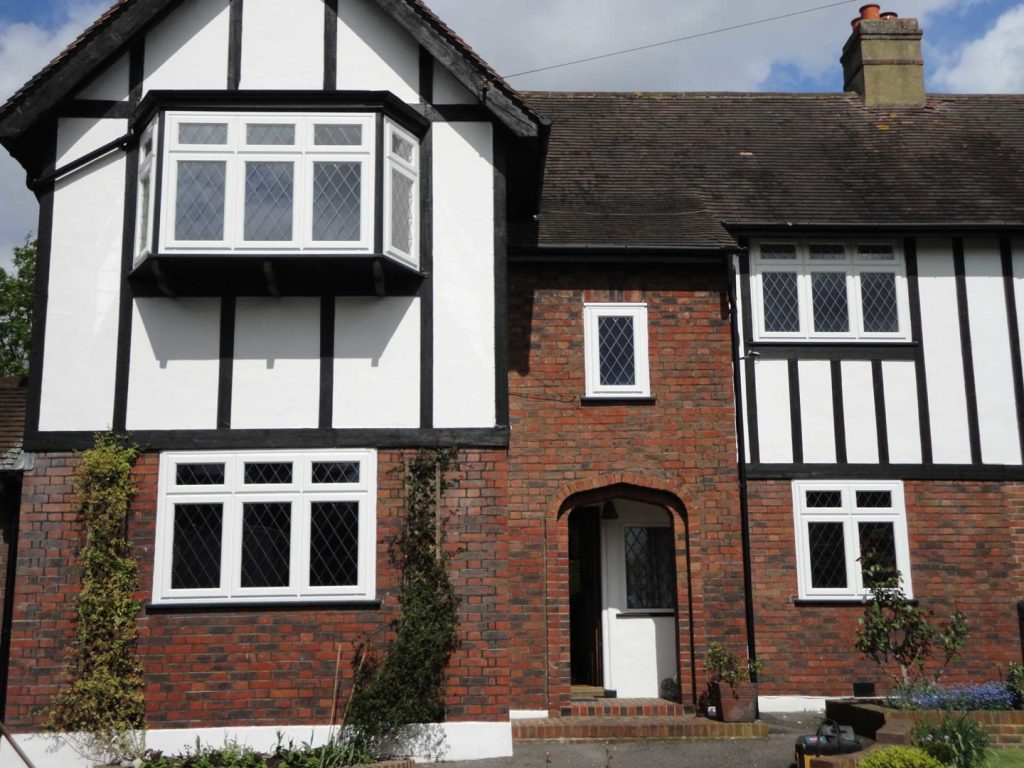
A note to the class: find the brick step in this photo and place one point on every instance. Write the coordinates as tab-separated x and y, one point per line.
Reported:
685	728
624	708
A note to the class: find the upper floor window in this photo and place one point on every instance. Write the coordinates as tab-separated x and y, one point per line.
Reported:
272	183
266	526
615	336
829	290
839	527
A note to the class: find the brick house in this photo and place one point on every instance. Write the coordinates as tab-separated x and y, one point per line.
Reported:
699	353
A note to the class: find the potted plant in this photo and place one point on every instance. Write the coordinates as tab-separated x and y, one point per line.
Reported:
732	692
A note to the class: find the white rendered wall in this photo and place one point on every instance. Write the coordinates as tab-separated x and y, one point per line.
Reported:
942	354
463	275
189	49
859	412
175	364
816	418
80	351
374	52
110	85
448	90
990	344
377	362
283	44
276	381
78	136
774	425
902	423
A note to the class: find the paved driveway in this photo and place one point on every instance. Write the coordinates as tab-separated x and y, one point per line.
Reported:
774	752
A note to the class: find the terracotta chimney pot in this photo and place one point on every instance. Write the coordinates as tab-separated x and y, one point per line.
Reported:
870	12
855	23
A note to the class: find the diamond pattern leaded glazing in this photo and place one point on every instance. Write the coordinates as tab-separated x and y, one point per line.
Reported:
874	499
335	472
876	253
650	568
337	135
824	499
270	134
828	555
878	299
334	544
266	544
199	202
401	211
827	252
268	473
195	553
269	190
877	547
781	302
337	196
203	133
199	474
401	148
831	306
617	353
778	252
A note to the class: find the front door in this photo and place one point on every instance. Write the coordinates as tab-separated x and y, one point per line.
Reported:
641	658
585	597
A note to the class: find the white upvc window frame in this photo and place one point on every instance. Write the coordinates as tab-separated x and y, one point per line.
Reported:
852	264
304	154
592	312
147	179
301	493
849	515
394	163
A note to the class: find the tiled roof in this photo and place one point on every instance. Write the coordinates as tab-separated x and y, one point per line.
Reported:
667	169
12	420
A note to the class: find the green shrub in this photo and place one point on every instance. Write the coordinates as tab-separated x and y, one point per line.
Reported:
899	757
955	740
1015	682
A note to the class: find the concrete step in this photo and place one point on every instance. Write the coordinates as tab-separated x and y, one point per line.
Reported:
605	728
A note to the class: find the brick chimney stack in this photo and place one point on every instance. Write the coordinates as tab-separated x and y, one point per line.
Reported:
882	60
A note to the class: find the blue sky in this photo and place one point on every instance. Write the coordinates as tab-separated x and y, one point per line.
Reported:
969	46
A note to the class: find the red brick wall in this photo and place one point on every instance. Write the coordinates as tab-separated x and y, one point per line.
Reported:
683	446
966	542
258	666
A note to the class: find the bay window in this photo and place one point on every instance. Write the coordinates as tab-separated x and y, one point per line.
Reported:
279	184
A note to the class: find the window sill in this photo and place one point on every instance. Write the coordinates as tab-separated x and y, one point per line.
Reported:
263	605
835	602
618	399
667	613
815	349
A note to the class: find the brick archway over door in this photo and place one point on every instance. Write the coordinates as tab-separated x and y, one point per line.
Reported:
594	491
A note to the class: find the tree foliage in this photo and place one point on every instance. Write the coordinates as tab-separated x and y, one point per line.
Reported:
16	292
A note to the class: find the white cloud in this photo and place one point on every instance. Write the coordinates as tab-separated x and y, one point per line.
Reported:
24	50
994	63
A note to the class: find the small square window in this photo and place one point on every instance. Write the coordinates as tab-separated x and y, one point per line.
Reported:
841	527
616	354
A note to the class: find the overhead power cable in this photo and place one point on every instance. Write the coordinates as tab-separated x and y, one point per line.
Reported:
694	36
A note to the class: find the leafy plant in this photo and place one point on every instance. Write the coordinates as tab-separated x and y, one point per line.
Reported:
404	687
16	295
895	632
1015	682
899	757
722	665
954	740
104	697
990	696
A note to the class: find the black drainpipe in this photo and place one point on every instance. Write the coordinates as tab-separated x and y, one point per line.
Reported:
741	464
10	496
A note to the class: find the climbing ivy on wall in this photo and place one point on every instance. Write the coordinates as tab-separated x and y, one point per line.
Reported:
404	685
104	696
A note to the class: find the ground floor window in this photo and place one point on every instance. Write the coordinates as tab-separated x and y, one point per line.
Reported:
842	525
282	525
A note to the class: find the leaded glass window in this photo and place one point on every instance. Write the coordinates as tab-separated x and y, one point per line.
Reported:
781	301
334	543
337	201
615	337
650	568
196	546
199	203
617	348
